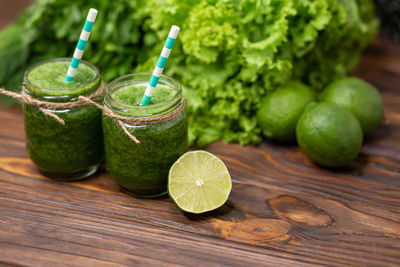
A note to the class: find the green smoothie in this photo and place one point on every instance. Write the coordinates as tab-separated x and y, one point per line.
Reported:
74	150
47	79
142	169
132	95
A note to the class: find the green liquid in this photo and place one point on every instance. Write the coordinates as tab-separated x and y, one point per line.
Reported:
51	77
62	151
142	169
132	95
70	151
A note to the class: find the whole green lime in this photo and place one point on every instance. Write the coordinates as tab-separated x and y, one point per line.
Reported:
280	111
329	134
360	97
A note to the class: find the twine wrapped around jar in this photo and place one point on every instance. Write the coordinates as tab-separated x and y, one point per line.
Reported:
43	105
91	100
134	121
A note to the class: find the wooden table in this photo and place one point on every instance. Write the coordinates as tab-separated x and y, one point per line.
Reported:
283	209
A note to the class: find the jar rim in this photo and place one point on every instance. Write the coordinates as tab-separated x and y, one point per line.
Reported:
127	80
67	91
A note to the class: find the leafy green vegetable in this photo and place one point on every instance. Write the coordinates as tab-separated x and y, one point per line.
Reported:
229	54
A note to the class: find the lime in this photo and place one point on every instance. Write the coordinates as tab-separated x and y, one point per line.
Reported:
360	97
329	134
280	111
198	182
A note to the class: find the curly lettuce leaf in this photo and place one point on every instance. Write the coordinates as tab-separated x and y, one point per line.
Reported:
229	54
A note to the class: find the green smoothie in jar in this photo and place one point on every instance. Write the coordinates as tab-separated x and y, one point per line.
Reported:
63	152
142	169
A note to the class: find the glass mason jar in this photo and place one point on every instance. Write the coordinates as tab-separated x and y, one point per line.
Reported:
142	169
63	152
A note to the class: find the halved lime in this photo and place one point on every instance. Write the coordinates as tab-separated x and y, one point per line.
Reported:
199	182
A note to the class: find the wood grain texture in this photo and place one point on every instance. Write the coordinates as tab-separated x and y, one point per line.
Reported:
283	210
9	9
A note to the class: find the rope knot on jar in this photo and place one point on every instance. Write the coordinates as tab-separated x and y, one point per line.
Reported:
121	120
44	105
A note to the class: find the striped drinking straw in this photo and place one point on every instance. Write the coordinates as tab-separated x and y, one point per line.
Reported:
162	60
83	39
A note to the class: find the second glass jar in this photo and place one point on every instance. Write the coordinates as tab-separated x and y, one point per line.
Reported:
142	169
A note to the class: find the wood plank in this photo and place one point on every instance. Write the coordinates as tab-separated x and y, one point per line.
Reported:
9	10
282	208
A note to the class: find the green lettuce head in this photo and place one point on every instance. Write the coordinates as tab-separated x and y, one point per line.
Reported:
229	54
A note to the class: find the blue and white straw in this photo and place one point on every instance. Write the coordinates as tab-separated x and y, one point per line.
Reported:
80	48
162	60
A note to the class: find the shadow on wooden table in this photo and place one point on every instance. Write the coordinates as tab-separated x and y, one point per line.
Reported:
222	211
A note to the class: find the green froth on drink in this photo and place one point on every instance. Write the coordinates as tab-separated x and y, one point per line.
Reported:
142	169
132	95
65	152
48	79
50	76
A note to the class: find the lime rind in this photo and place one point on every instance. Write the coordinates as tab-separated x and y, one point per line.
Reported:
199	182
